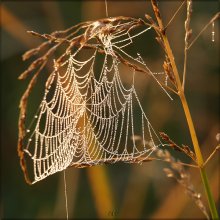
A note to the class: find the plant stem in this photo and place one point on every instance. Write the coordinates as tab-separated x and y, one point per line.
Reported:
197	150
199	157
209	195
181	93
198	153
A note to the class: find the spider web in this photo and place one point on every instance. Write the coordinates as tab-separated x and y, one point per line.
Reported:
85	119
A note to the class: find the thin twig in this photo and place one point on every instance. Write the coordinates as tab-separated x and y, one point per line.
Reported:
176	12
181	163
184	67
212	154
215	17
65	191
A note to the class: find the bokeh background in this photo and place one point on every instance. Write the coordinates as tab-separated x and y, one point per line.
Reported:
121	190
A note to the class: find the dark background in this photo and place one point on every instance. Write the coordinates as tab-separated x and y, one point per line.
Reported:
119	190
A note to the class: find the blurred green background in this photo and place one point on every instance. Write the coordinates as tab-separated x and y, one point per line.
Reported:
119	190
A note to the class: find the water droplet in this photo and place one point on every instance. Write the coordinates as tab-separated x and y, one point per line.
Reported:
28	130
140	163
218	137
213	32
29	139
36	116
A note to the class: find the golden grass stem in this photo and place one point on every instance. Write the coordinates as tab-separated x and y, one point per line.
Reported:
181	93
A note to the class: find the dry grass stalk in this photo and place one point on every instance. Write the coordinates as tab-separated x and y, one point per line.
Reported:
168	70
181	94
188	34
184	149
217	148
178	172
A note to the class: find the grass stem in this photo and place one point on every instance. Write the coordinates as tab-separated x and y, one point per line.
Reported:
192	131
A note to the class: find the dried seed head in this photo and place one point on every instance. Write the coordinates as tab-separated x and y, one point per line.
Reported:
169	71
182	177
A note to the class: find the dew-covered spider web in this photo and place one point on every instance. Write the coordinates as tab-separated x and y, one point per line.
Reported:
89	116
